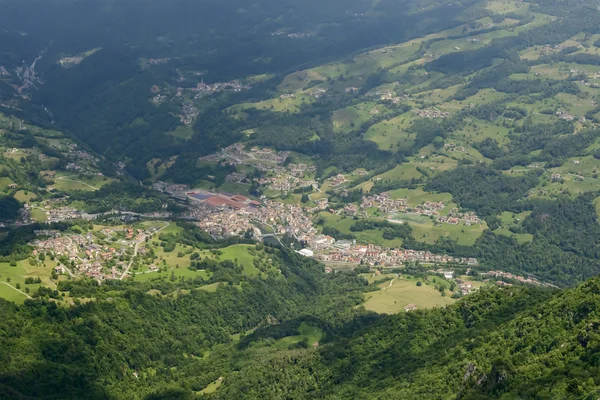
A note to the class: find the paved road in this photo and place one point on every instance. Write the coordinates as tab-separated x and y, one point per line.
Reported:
64	266
135	251
68	270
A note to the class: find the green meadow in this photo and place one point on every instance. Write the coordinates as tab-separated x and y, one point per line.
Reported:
395	294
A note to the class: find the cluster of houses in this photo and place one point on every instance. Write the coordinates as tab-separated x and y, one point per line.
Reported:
338	180
318	92
428	208
513	277
548	48
203	88
188	113
70	61
223	215
100	255
285	183
237	153
465	287
235	177
455	217
384	203
557	177
327	249
159	99
432	112
300	169
389	206
564	115
454	147
158	61
227	223
176	190
64	213
391	97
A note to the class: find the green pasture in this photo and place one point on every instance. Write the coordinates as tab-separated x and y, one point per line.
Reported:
394	295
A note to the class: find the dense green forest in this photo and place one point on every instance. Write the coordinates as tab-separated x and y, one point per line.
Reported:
93	350
503	342
104	99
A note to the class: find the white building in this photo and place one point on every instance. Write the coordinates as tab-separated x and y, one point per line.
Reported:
306	253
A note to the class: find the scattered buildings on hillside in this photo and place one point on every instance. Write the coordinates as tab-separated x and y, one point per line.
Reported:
432	112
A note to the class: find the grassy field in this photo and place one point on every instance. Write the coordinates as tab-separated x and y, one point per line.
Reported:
38	215
394	295
509	220
428	232
289	105
361	65
179	272
19	273
184	132
235	188
391	134
312	334
405	171
570	183
66	182
597	205
157	167
520	237
237	252
469	153
371	236
506	6
435	164
211	288
171	229
575	105
4	182
418	196
476	131
212	387
10	294
24	196
171	258
352	117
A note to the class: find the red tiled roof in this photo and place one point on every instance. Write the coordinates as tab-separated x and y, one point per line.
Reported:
239	197
218	201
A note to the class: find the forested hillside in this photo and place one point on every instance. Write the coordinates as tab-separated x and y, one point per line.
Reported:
510	342
135	339
506	343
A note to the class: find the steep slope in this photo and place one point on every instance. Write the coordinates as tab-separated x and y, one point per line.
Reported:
508	343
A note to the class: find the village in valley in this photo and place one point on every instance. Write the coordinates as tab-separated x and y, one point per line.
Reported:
106	253
272	194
